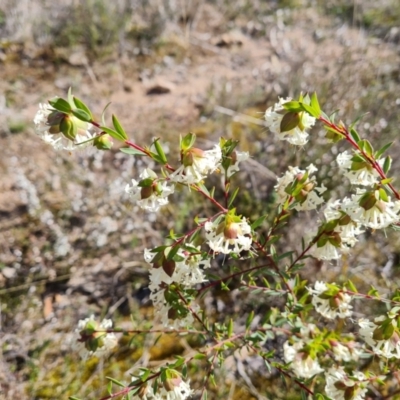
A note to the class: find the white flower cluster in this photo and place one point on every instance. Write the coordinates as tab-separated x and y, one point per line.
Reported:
236	160
182	391
349	351
333	306
296	136
234	238
378	216
150	198
311	192
200	163
382	335
341	386
57	139
302	364
188	272
101	341
363	175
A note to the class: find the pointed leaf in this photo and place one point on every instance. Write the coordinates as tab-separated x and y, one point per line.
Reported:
60	104
132	151
82	106
82	115
112	133
315	104
119	128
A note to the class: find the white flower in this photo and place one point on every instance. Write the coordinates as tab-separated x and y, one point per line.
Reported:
388	347
296	136
181	391
332	307
326	252
58	140
228	239
301	363
197	164
365	176
89	334
346	352
312	200
150	198
238	157
340	386
347	232
379	216
187	272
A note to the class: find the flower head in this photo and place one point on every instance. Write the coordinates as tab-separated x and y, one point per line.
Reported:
330	301
196	165
373	209
186	272
232	235
357	170
235	159
63	132
93	337
341	386
298	184
302	364
150	193
287	125
382	335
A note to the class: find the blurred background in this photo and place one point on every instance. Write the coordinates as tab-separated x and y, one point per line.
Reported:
71	243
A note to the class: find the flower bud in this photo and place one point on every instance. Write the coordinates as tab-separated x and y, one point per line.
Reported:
231	231
103	142
368	201
68	128
290	121
169	267
190	155
146	192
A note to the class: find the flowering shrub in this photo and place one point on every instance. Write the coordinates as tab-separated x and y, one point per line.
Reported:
322	359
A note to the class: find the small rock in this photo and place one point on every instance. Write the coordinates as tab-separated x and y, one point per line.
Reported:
8	272
159	88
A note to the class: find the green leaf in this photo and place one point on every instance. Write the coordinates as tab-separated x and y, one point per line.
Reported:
230	328
354	135
60	104
383	195
249	319
233	197
119	128
173	252
351	286
258	222
112	133
366	146
380	152
293	106
82	106
82	115
311	111
188	141
315	104
132	151
73	398
160	151
103	114
118	383
387	164
199	356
